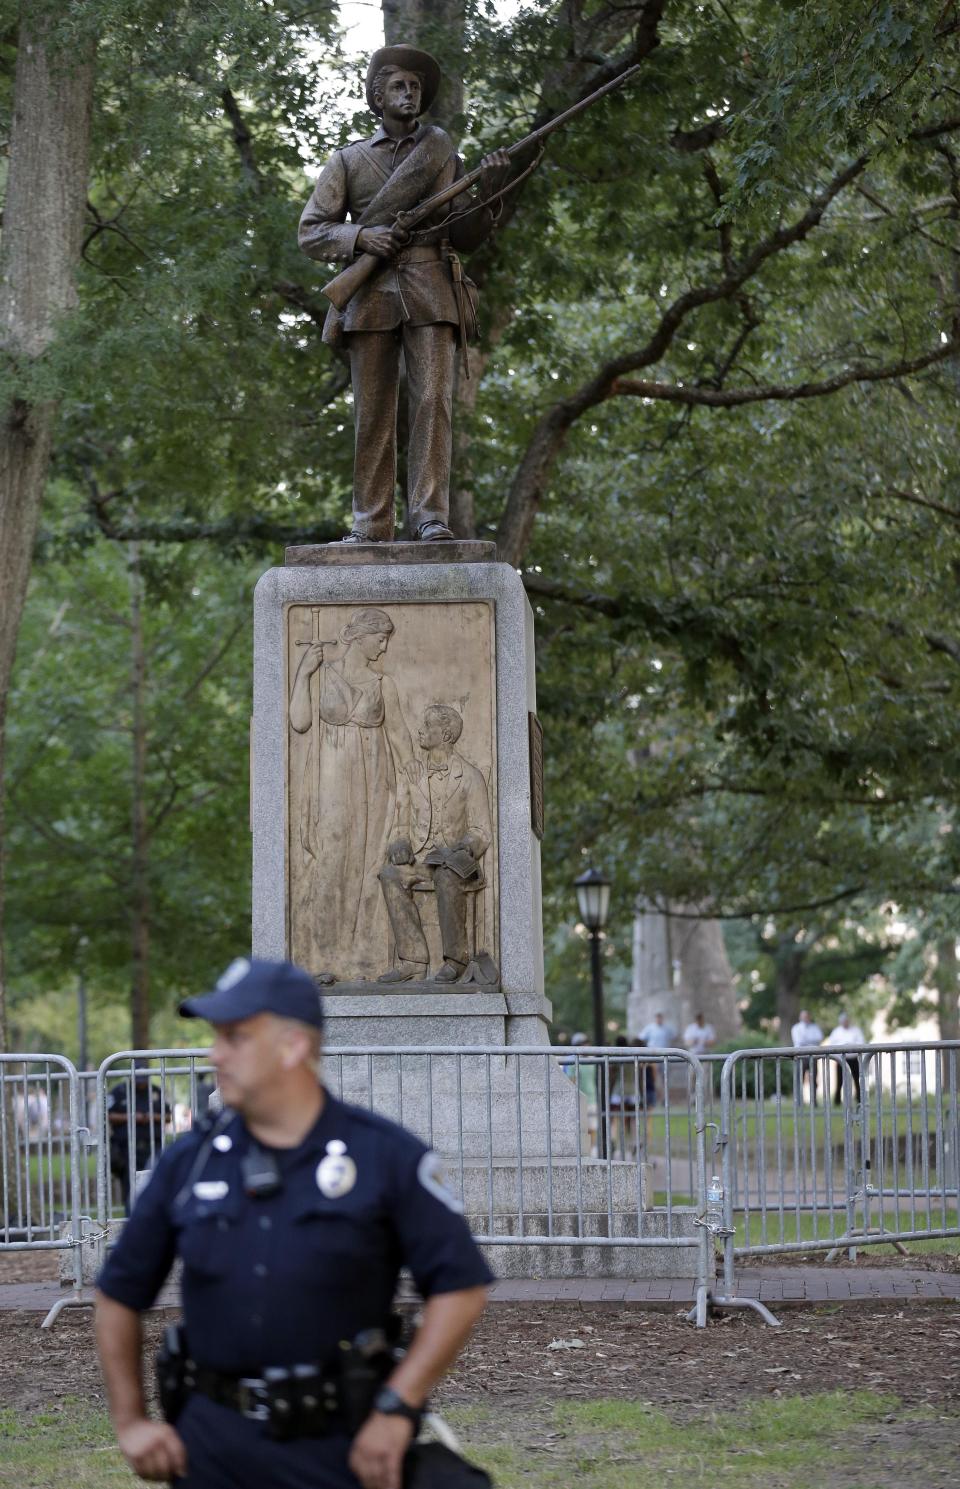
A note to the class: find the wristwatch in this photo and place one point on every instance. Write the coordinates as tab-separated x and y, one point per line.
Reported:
392	1404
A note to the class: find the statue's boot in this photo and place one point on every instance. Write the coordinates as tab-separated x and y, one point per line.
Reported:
451	971
434	532
406	972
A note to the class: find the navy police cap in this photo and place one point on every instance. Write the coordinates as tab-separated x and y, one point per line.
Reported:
249	986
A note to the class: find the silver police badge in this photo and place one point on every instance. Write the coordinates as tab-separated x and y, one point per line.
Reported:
337	1172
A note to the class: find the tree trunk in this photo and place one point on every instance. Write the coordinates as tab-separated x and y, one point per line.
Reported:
680	968
436	26
706	978
788	960
42	237
139	828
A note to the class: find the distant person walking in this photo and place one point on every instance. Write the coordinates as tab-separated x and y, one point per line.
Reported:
804	1035
649	1084
699	1036
846	1033
624	1094
658	1035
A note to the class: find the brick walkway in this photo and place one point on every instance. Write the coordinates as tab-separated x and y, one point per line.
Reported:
778	1287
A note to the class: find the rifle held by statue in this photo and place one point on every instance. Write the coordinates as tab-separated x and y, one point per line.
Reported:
341	290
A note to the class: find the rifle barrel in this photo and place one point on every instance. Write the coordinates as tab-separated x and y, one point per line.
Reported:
573	110
427	208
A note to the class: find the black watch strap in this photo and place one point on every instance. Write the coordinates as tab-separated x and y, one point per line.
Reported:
392	1404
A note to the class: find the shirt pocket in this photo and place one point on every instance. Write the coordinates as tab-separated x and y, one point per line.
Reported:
340	1242
207	1238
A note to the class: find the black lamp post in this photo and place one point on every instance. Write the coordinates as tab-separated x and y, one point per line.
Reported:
593	900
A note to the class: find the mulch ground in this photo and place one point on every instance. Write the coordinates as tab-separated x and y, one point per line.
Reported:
540	1353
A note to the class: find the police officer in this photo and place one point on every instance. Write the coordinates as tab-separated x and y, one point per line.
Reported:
292	1213
147	1119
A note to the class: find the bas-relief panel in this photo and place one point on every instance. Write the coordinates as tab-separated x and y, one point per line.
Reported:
391	792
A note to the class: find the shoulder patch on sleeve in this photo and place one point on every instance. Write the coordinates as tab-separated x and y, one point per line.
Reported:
433	1177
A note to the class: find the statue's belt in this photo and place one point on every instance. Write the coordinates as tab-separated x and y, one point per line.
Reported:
418	253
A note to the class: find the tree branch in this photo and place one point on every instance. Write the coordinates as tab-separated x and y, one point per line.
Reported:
774	793
569	86
530	480
683	620
916	500
296	295
667	907
243	140
931	131
769	392
213	661
680	621
689	141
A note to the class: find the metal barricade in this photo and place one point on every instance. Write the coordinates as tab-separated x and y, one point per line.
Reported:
44	1154
557	1155
837	1148
561	1156
144	1100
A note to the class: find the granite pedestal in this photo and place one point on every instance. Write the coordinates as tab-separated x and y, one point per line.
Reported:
514	861
516	1127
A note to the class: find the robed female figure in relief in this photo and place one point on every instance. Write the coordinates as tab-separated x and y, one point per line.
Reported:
359	742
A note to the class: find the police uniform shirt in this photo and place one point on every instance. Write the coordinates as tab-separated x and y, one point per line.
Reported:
282	1280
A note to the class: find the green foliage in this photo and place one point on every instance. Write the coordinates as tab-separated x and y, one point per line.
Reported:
568	976
746	1079
70	774
747	653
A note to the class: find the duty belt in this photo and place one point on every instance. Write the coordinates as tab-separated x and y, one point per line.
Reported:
291	1401
303	1401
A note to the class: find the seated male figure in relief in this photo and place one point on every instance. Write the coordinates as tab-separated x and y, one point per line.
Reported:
443	829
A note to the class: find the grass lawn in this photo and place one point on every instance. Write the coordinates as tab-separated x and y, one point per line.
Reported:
808	1227
71	1444
765	1444
860	1440
787	1125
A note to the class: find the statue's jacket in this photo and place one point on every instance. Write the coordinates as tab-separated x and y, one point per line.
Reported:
369	182
453	807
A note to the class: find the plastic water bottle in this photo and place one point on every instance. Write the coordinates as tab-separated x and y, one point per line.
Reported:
715	1203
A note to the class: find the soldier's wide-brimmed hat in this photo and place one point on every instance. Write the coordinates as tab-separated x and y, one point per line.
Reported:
411	59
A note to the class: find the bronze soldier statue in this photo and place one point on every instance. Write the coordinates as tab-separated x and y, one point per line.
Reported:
416	302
